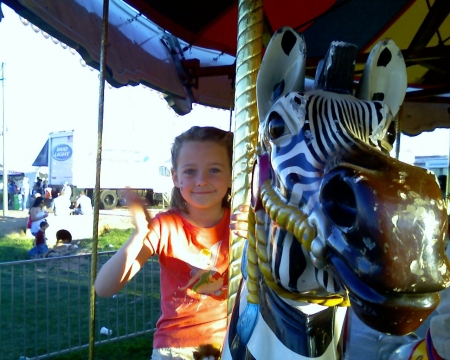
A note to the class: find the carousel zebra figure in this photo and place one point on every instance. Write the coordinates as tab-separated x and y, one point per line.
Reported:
330	208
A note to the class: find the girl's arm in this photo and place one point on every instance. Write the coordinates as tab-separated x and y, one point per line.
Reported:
118	270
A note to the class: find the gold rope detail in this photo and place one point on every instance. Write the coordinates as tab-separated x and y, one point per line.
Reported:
252	261
295	221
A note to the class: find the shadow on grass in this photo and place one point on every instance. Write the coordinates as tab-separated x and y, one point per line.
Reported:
138	347
14	249
12	225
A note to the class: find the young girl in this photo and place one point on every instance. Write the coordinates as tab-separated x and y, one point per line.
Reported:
191	240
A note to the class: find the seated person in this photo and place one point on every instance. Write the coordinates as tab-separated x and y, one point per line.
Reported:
61	205
83	205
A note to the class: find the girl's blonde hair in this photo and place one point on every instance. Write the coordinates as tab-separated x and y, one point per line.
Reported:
201	134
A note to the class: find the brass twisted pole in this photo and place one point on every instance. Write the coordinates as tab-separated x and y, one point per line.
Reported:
248	60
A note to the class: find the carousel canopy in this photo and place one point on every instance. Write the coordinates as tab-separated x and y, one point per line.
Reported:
186	49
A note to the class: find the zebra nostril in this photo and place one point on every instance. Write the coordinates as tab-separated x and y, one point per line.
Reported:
338	201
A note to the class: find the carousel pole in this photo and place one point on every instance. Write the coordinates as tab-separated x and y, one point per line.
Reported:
398	132
447	183
101	98
248	60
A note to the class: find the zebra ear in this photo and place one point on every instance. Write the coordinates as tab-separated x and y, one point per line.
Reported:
282	69
384	77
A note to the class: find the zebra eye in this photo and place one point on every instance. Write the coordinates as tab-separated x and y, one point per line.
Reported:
391	133
276	127
388	141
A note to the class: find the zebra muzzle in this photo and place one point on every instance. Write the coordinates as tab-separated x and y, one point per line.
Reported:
387	241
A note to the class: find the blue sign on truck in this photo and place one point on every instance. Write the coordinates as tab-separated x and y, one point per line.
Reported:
62	152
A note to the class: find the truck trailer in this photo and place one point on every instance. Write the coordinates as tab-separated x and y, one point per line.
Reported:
72	157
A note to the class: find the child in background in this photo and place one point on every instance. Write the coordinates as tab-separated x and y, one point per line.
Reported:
191	240
40	248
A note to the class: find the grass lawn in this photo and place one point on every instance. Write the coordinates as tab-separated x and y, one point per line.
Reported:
15	247
138	347
34	301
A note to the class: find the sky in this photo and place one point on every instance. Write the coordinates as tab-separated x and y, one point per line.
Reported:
46	89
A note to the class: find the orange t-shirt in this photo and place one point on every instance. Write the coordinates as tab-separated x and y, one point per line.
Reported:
194	280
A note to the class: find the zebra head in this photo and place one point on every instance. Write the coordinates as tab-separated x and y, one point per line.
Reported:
377	224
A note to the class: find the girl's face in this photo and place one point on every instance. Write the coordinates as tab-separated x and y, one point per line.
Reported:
203	174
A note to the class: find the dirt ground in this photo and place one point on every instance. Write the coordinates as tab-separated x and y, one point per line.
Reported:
13	223
80	227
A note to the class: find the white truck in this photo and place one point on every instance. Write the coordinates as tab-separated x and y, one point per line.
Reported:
72	159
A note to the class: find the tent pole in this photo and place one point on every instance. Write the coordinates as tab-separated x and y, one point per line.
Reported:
248	60
101	98
5	170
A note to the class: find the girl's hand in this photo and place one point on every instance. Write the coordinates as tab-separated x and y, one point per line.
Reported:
140	214
239	221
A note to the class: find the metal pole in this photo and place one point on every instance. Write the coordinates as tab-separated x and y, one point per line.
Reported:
101	98
447	182
398	132
5	170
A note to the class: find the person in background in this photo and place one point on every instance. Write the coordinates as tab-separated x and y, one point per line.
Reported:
149	197
12	189
37	188
191	241
40	248
61	205
83	205
63	246
67	190
37	214
48	196
25	191
442	180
